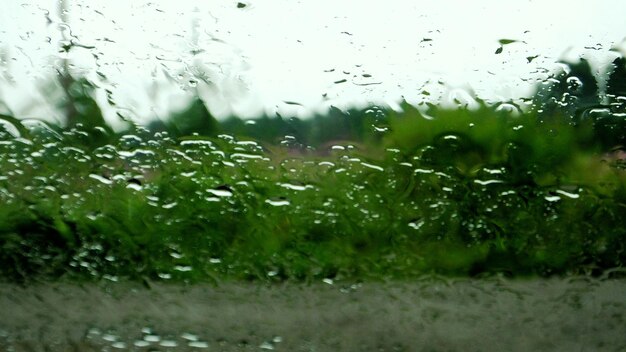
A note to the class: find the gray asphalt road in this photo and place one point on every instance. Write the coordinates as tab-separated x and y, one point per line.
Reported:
433	314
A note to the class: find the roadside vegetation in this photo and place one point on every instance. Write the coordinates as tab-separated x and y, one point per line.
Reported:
369	194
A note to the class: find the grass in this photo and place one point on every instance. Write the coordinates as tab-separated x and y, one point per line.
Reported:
468	192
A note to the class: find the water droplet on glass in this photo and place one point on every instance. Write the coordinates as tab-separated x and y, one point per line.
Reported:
110	337
568	194
574	85
141	343
189	337
267	346
198	344
119	345
134	186
295	187
221	192
176	255
9	128
416	224
169	205
168	343
552	198
278	202
152	338
487	182
381	129
183	268
372	166
101	179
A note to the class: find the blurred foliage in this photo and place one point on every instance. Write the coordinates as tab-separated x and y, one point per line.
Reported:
462	193
573	94
360	194
82	112
195	119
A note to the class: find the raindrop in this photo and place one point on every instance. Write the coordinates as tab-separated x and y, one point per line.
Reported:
267	346
508	107
169	205
493	171
381	129
134	186
101	179
372	166
196	142
10	128
119	345
507	41
189	337
295	187
176	255
567	194
279	202
141	343
152	338
552	198
574	84
531	58
487	182
168	343
110	337
239	157
416	224
183	268
221	191
198	344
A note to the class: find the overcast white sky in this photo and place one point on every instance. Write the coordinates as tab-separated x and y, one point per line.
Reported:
152	55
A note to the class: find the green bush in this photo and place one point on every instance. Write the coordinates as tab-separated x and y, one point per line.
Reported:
458	192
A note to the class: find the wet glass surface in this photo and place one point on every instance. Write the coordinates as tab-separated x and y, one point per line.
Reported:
433	314
312	175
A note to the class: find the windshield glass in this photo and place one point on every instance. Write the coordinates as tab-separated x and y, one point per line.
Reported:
312	175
